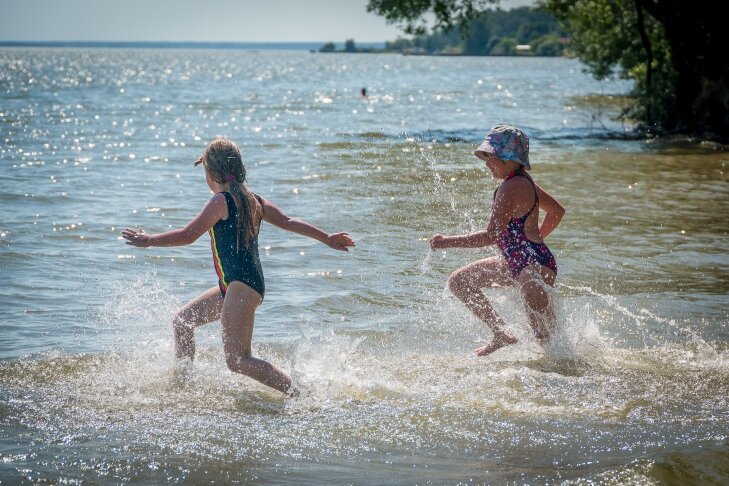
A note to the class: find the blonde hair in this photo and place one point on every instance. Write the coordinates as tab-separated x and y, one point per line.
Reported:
223	162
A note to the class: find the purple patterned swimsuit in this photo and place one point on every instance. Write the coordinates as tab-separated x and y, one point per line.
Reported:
518	250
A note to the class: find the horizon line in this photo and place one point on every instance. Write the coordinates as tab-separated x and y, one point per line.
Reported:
7	42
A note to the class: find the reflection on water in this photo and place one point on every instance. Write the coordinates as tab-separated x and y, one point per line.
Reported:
632	390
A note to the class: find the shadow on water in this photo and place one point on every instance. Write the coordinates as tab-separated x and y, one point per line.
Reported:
561	135
475	136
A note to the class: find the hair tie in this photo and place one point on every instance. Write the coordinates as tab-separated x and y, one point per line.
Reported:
229	177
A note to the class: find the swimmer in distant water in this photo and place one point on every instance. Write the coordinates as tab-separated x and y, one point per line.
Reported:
363	93
233	218
513	226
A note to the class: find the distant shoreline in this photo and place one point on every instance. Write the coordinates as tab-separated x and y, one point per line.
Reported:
313	47
296	46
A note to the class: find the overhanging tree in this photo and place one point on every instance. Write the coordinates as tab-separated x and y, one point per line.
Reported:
674	50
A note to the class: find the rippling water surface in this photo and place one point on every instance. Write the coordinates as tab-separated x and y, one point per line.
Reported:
633	390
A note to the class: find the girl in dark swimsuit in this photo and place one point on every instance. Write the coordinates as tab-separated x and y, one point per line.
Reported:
525	259
232	217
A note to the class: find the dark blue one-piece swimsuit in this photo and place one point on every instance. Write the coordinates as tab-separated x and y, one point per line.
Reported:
233	258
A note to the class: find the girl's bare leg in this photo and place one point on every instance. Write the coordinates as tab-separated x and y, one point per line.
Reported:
532	281
201	310
466	284
238	312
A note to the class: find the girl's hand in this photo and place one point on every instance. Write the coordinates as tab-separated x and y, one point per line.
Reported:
438	242
339	241
136	237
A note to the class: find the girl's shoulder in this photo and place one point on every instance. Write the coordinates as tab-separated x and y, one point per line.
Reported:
218	204
220	201
219	196
516	184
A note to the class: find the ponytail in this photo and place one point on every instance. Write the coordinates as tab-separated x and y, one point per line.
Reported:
223	162
244	223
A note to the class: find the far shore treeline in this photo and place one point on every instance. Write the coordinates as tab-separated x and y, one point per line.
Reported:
521	31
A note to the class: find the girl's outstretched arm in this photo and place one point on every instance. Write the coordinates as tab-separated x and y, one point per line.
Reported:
553	212
272	214
476	239
214	210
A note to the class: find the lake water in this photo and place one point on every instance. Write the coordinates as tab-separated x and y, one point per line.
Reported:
633	391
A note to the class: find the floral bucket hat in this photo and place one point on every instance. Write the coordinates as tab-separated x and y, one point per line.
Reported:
507	143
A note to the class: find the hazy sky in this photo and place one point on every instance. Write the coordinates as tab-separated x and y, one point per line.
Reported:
200	20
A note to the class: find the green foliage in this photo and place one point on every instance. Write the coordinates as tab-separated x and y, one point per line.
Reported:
409	14
477	40
493	32
605	37
328	47
548	45
349	46
506	46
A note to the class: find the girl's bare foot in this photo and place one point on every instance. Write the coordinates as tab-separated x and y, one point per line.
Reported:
498	342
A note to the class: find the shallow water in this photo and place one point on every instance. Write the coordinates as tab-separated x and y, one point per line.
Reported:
632	391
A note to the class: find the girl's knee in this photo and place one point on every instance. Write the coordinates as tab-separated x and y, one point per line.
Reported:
457	283
180	324
537	299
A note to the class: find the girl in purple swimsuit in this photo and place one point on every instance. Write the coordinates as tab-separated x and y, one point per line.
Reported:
525	260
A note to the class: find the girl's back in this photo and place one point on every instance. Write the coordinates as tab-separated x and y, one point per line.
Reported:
519	199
